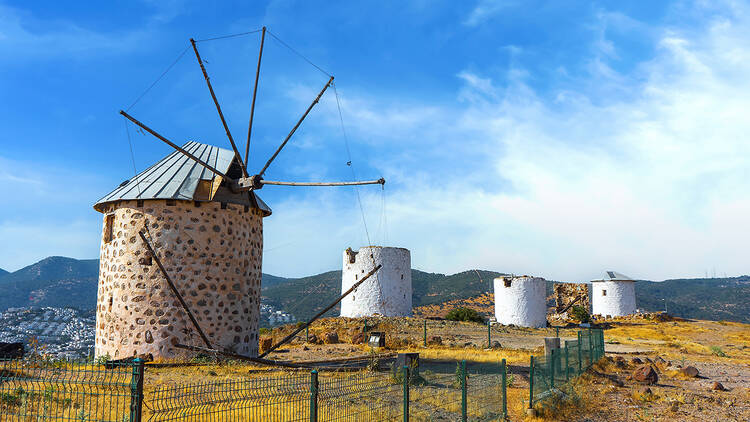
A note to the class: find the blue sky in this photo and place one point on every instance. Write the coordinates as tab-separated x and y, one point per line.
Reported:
549	138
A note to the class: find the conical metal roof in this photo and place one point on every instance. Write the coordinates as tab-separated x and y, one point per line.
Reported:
178	177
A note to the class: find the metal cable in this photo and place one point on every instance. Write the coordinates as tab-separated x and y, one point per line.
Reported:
229	36
159	78
297	53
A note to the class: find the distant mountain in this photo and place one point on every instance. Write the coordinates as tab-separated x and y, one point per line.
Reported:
304	297
2	272
54	281
59	281
699	298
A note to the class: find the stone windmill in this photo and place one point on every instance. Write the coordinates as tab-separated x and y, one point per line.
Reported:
182	245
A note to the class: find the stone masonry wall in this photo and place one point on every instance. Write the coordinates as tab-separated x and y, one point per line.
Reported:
213	256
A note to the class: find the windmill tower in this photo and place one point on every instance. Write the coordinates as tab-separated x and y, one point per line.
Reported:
521	301
181	249
389	294
613	295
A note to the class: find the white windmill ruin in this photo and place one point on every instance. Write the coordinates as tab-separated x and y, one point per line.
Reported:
521	301
181	250
613	295
388	293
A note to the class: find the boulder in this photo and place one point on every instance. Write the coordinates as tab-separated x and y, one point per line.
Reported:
689	371
435	340
496	345
313	339
717	386
331	337
645	374
636	361
265	344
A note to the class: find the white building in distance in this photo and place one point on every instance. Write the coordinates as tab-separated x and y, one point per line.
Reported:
613	295
521	300
387	292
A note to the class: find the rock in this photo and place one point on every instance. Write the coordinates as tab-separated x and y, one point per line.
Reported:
359	338
496	345
305	348
313	339
646	374
435	340
617	382
468	344
645	391
620	364
265	344
689	371
636	361
331	337
717	386
674	406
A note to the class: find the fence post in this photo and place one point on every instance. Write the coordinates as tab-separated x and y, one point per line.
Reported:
591	349
405	370
551	366
489	335
463	390
425	333
365	325
557	331
567	365
314	395
580	354
136	390
504	375
531	381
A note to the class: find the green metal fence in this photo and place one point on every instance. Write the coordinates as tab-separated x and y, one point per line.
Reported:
554	370
35	389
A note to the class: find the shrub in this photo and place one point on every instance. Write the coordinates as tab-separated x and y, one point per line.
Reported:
464	314
580	314
716	350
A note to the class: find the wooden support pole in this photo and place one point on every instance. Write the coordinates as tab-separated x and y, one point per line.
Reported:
174	289
240	357
319	314
294	129
218	108
255	92
254	183
187	154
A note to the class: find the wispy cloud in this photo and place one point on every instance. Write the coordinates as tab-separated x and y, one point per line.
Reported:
652	182
486	9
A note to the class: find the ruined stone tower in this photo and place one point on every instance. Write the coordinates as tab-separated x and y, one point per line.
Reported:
386	293
613	295
210	242
521	301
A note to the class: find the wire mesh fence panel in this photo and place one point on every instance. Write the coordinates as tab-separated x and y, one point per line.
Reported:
367	396
272	398
484	392
34	389
435	396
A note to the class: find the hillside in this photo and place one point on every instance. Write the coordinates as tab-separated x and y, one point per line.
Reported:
2	272
59	281
54	281
700	298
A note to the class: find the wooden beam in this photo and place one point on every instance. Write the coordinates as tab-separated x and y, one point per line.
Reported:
174	289
168	142
255	92
218	108
254	183
294	129
319	314
240	357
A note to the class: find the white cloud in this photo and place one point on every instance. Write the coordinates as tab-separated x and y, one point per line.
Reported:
485	9
651	182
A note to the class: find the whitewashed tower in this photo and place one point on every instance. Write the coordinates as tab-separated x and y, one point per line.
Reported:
521	300
613	295
388	293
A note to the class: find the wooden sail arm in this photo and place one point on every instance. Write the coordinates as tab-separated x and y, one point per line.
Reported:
231	182
320	314
256	182
294	129
218	108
